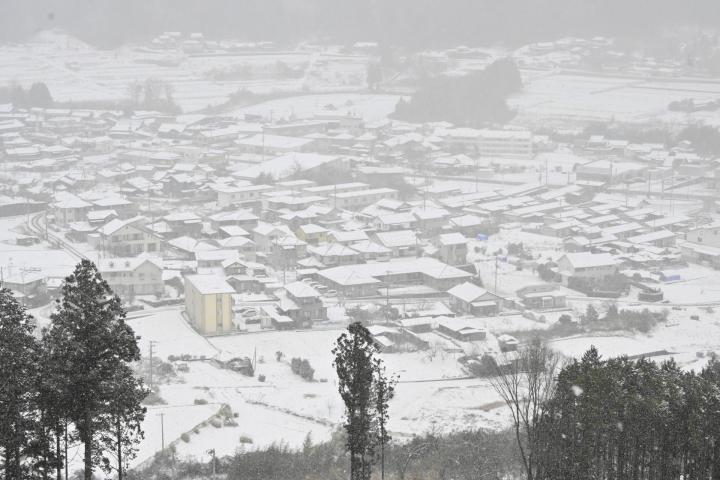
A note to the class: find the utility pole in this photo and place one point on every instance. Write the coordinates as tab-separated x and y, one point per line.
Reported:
496	271
152	346
162	431
212	452
387	298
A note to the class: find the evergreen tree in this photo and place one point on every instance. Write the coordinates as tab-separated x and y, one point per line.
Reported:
591	314
93	344
18	373
354	363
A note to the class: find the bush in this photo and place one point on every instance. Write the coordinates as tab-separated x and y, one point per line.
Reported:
485	367
154	398
185	437
200	401
245	439
301	367
215	422
261	378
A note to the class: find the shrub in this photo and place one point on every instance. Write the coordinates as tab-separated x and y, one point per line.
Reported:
200	401
261	378
245	439
185	437
301	367
215	422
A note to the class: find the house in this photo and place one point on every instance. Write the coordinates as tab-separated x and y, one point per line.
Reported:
541	296
333	254
402	243
587	265
240	218
395	221
132	276
358	199
26	285
702	244
470	299
348	237
183	224
208	304
430	220
244	246
129	237
70	209
302	303
286	251
372	251
659	238
461	330
265	235
392	339
453	248
469	225
312	234
215	258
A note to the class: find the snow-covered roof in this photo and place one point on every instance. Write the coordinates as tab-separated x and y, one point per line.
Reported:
209	284
468	292
301	290
590	260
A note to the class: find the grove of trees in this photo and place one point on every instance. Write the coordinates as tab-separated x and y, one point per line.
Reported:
472	100
69	384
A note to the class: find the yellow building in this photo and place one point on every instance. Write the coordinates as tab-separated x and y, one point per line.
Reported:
208	304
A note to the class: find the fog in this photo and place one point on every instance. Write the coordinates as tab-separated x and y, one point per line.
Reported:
362	239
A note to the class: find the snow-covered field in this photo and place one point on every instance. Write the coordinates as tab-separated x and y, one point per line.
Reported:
433	395
75	71
368	106
559	95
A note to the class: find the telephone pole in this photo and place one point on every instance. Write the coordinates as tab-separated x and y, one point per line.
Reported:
214	470
150	380
162	431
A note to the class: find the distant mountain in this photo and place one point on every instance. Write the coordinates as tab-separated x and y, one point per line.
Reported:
418	23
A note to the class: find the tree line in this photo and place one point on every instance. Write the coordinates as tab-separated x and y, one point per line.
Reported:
612	419
69	384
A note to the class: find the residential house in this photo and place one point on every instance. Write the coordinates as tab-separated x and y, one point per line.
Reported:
302	303
402	243
132	276
333	254
453	248
587	265
129	237
470	299
542	296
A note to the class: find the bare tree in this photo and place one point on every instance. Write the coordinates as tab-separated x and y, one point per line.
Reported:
526	382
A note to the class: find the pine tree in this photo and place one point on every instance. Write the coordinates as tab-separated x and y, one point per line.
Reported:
93	344
354	353
18	373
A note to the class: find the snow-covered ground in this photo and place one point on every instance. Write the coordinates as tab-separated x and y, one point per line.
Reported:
75	71
370	107
566	97
433	395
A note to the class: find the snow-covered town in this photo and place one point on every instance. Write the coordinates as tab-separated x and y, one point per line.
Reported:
247	201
